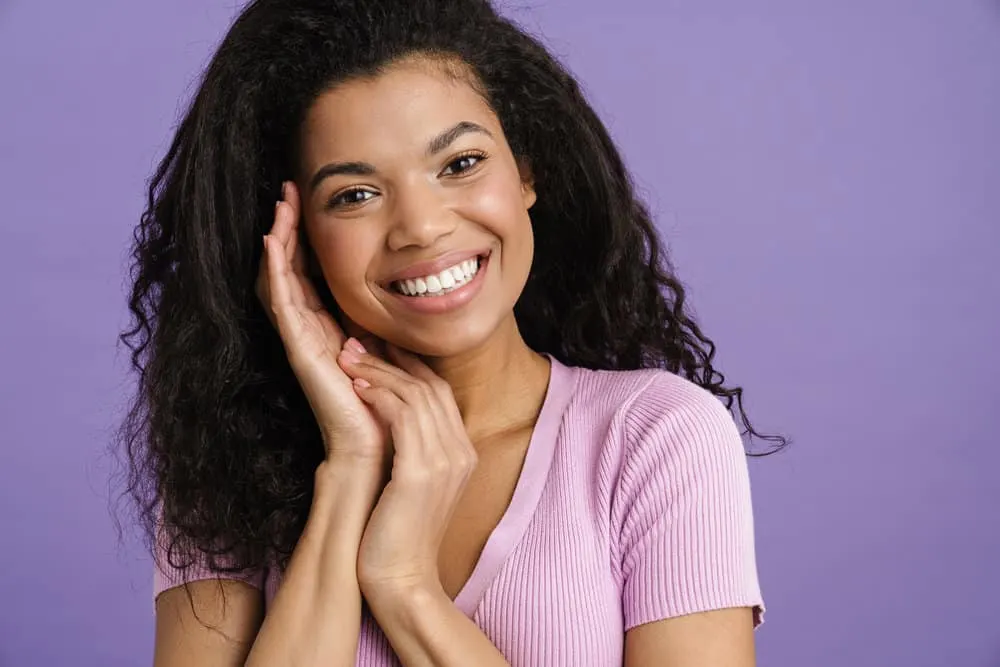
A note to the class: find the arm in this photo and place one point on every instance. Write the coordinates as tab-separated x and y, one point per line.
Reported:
425	628
215	626
683	511
315	617
398	555
706	639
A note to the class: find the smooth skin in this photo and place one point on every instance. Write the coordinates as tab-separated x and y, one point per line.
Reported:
447	407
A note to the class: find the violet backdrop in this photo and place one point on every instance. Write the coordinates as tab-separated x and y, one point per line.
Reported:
827	175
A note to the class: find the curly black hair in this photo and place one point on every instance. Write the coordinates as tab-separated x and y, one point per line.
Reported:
219	441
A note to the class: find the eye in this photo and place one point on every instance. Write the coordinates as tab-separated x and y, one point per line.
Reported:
463	163
351	197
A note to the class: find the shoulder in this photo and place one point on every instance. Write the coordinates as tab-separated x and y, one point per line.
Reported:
681	524
674	412
653	407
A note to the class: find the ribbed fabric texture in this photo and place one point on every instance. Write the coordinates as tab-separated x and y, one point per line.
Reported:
633	506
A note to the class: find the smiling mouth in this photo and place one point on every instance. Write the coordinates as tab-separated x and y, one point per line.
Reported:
441	283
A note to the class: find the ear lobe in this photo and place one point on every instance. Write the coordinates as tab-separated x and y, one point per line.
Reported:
530	197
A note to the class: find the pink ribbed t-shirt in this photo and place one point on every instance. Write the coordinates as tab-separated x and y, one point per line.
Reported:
633	505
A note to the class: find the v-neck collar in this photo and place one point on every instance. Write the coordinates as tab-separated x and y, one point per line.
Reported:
527	492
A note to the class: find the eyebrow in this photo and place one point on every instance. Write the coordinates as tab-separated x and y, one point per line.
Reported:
435	146
448	137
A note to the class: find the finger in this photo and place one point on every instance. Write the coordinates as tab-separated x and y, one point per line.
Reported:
412	370
293	249
281	282
390	409
439	415
279	294
382	364
283	225
300	290
286	231
416	451
383	374
412	364
303	291
261	283
418	397
386	404
372	344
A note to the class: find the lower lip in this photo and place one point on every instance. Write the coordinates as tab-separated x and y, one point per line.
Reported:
437	305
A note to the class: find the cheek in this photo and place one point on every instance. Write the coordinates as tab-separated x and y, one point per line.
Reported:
344	254
497	204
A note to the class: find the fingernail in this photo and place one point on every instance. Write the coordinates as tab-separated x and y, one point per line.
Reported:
362	383
356	345
284	190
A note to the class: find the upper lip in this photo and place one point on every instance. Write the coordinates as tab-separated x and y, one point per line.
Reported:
434	266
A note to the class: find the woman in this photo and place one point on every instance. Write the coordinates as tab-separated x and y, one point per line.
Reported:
442	403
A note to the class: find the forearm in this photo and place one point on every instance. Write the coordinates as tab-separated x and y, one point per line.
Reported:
316	614
426	629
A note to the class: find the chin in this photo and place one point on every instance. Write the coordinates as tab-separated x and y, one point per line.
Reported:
455	342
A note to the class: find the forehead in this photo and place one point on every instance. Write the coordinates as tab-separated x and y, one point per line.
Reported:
395	112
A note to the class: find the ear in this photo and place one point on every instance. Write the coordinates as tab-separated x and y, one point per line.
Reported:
527	183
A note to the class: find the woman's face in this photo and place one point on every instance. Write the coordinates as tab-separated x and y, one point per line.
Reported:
416	208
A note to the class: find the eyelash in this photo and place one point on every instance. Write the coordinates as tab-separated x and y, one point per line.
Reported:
478	155
337	200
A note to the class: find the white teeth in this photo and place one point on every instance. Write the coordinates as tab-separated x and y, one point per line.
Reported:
446	280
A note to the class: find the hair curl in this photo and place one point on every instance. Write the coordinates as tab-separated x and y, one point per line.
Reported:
220	442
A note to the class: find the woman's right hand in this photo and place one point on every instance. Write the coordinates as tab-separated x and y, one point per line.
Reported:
312	341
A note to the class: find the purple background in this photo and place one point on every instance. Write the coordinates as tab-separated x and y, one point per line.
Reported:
828	177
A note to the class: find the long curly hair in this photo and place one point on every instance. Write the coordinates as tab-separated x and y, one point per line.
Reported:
219	440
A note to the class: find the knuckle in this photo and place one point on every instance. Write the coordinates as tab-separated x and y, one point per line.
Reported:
471	459
396	412
466	465
439	385
439	466
443	390
412	395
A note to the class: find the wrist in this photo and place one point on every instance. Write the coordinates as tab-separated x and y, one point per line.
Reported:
343	499
404	601
341	472
353	449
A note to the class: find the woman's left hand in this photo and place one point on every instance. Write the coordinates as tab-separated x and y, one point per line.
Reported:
432	462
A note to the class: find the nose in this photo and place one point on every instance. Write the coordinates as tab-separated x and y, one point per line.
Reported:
420	218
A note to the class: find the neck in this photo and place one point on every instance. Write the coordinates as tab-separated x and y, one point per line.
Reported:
499	386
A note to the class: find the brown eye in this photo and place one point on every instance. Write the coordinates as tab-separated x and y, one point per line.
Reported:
351	197
462	164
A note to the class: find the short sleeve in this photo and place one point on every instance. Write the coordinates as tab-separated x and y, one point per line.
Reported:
682	507
168	573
